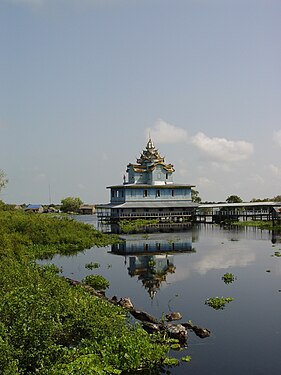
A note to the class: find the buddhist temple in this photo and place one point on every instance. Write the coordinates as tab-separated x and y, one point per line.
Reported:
149	192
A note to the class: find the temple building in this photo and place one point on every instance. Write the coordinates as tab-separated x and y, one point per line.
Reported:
149	192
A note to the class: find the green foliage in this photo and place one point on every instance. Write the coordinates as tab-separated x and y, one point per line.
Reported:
277	254
186	359
137	225
228	278
97	282
92	265
71	204
44	235
50	327
218	303
234	199
277	198
195	196
257	223
171	361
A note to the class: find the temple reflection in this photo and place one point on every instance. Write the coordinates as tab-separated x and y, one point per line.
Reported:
276	236
151	257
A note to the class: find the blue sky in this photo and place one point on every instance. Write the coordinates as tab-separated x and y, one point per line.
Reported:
83	83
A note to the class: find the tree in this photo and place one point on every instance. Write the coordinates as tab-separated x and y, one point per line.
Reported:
70	204
195	196
3	179
234	199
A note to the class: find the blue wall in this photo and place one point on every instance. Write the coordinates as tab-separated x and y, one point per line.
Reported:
149	193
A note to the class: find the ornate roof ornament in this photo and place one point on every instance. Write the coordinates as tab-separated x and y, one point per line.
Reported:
149	158
150	144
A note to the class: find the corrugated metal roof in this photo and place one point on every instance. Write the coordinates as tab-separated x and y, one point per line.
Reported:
149	186
34	206
243	204
151	204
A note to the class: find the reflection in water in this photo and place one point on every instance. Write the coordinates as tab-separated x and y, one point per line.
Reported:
276	237
151	257
151	270
248	329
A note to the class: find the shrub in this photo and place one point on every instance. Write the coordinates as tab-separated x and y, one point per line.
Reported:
218	303
97	282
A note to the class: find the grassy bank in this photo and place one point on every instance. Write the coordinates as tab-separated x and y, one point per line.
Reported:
260	224
49	327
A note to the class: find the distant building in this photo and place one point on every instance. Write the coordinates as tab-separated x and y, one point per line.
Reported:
87	209
149	192
35	208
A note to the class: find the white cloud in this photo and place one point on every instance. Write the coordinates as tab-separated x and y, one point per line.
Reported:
277	137
163	132
220	259
221	149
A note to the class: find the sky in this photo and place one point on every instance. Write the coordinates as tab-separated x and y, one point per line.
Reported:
83	83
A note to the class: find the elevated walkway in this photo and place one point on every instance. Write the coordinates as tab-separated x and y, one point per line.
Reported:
246	211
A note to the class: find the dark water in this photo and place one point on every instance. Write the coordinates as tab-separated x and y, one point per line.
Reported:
180	270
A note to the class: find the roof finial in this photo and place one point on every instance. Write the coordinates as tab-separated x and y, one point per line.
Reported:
150	144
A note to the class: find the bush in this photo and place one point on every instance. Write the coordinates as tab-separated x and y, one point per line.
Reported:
97	282
50	327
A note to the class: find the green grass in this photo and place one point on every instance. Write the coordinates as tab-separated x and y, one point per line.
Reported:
50	327
257	223
137	225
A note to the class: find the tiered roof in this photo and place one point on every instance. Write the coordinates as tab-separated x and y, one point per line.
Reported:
149	159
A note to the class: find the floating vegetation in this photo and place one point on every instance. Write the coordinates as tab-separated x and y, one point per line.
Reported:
91	266
277	254
97	282
228	278
171	361
151	263
186	359
218	303
128	226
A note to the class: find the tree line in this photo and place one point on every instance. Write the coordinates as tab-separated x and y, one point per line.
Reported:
72	204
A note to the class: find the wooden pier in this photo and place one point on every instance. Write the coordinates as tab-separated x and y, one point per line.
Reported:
251	211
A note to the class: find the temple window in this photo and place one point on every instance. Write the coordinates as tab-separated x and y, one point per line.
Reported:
173	192
157	193
145	193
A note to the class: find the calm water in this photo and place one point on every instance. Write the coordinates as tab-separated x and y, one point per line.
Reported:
187	269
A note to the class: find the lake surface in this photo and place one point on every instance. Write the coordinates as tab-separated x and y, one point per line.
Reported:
180	270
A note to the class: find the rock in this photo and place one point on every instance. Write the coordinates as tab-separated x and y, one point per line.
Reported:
143	316
126	303
174	316
201	332
188	325
114	299
151	327
177	331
